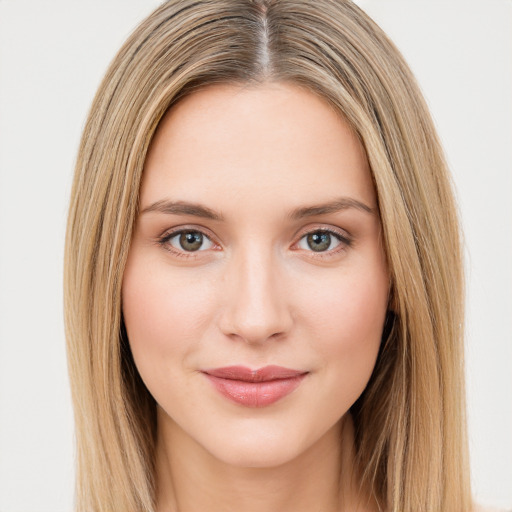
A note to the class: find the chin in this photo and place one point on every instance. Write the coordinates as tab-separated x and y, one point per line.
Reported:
260	446
257	454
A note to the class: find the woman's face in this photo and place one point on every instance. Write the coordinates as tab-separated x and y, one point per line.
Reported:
258	245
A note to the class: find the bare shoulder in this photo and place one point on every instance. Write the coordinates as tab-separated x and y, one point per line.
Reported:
481	508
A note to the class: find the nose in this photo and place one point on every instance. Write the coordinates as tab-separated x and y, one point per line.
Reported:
256	303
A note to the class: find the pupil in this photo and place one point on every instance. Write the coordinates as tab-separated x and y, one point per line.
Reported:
191	241
319	241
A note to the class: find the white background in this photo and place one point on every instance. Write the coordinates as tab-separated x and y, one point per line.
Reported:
52	56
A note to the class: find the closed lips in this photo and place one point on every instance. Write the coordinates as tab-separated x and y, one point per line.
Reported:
255	388
243	373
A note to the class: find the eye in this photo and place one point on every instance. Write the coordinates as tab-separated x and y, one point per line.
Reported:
188	241
322	240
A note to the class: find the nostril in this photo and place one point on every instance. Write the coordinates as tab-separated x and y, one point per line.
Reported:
256	327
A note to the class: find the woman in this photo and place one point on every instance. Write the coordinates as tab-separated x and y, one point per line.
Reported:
264	290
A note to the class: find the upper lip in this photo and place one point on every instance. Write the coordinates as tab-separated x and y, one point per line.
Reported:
264	374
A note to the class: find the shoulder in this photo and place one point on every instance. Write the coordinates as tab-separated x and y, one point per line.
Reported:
480	508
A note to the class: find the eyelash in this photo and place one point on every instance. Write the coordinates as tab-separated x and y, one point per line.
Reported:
166	237
344	240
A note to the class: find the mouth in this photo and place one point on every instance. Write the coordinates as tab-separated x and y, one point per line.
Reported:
255	388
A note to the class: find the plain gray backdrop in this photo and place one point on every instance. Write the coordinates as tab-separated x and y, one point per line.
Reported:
52	56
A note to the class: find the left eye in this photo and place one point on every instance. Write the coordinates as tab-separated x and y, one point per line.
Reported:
320	241
190	241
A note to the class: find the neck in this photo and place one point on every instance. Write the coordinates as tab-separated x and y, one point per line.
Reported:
189	479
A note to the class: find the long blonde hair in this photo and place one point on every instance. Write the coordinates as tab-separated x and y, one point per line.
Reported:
410	421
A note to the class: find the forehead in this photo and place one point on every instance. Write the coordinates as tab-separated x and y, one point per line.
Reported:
277	141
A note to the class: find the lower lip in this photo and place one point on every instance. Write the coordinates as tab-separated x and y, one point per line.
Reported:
255	394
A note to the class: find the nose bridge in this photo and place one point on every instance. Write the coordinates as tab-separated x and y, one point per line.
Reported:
256	308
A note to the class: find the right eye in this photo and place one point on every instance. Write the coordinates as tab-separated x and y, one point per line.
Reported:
187	240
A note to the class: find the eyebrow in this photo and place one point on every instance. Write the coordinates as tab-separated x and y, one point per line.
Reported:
198	210
183	208
342	203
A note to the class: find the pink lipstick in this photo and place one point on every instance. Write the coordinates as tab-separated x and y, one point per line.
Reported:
255	388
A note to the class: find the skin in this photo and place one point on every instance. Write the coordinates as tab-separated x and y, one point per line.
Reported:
255	293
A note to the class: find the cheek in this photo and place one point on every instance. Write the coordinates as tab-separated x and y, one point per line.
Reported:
164	312
351	308
348	321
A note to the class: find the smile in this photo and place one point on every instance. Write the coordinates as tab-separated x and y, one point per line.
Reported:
254	388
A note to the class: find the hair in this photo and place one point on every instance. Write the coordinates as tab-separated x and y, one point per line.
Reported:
409	422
